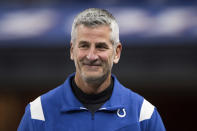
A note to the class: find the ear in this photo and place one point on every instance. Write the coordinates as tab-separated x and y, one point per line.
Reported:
117	53
71	51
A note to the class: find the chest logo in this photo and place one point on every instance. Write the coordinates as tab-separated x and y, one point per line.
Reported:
121	112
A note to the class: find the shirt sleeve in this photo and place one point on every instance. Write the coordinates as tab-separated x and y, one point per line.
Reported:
155	123
26	122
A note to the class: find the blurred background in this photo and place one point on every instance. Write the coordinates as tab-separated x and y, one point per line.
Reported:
158	61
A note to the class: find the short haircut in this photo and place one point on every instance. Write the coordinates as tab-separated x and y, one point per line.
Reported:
94	17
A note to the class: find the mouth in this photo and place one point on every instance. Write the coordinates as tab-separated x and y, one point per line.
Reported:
92	66
91	63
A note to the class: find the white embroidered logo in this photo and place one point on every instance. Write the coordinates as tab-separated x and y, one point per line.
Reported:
121	112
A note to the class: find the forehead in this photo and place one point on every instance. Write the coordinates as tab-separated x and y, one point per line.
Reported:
102	32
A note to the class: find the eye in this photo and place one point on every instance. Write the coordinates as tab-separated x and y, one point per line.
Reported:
83	44
102	46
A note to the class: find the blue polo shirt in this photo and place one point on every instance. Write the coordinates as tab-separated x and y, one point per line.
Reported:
60	110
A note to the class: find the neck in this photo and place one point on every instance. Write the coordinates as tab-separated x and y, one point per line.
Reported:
94	87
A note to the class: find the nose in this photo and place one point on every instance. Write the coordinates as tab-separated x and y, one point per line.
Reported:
92	54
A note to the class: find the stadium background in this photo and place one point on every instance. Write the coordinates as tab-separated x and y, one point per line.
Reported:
159	58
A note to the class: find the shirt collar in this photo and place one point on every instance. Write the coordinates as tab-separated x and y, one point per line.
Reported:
71	103
116	100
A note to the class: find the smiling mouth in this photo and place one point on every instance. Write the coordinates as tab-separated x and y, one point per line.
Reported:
92	67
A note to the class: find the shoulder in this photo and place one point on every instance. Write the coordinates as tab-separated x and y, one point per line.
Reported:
36	110
38	107
53	95
131	96
126	94
144	108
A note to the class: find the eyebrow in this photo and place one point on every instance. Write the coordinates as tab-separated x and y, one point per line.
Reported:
96	44
102	44
84	42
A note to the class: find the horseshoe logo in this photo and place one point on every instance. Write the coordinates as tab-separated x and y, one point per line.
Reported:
121	112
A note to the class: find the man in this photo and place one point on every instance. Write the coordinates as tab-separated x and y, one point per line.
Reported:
92	99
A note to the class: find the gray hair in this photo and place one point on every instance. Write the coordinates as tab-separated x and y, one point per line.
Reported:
94	17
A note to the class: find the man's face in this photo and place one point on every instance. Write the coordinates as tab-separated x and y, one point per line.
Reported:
93	52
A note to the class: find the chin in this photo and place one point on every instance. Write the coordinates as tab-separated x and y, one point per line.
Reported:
93	77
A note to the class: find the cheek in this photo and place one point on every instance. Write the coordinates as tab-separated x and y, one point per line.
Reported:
79	54
107	57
